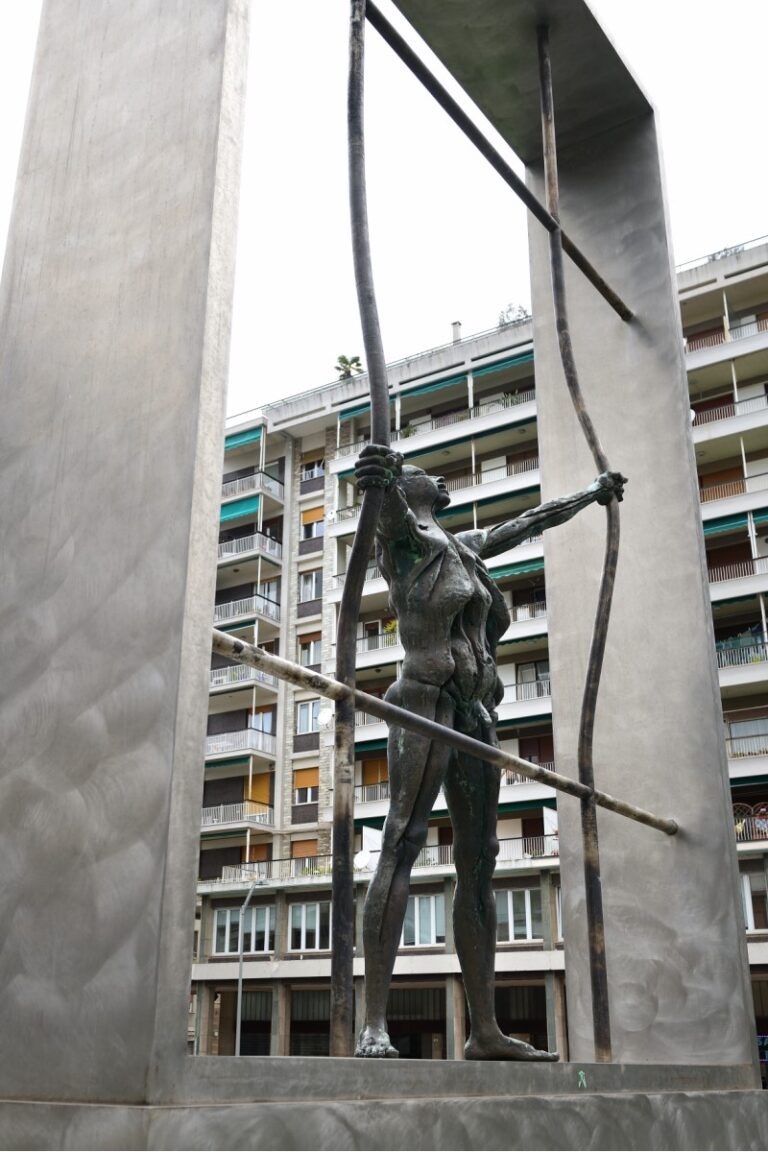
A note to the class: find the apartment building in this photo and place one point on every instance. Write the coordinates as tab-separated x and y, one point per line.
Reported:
467	411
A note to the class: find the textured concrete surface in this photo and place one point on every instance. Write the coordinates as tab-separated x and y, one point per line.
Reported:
114	333
676	947
671	1120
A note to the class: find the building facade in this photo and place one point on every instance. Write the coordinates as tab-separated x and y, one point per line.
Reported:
466	411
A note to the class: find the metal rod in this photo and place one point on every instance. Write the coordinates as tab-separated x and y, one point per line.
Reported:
244	653
239	1010
342	885
494	158
590	844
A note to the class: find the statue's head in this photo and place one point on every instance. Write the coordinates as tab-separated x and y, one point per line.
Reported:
420	489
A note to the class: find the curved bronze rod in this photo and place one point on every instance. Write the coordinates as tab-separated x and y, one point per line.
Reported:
592	880
342	906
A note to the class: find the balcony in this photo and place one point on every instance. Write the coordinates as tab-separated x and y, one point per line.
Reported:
249	740
737	656
520	850
378	793
750	823
259	482
235	674
491	475
742	578
740	746
258	544
440	423
246	812
372	573
378	640
743	494
714	347
532	698
249	606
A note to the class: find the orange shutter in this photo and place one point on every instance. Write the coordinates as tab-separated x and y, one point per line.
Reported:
300	849
259	852
375	771
260	788
306	778
311	515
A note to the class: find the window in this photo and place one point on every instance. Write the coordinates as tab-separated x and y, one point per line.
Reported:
263	719
424	922
308	716
312	523
747	737
310	927
533	680
311	649
306	784
312	466
753	895
518	914
258	930
311	585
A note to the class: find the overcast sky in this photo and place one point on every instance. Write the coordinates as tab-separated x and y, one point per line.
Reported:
449	238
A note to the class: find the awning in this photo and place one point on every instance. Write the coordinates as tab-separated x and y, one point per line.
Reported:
536	565
724	524
359	410
523	358
435	386
238	439
238	508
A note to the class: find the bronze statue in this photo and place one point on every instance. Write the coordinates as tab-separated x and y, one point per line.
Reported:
450	616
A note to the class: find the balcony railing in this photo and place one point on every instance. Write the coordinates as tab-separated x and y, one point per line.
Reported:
372	573
472	479
378	640
256	543
529	690
450	418
709	340
350	512
738	746
432	856
256	482
713	339
509	776
249	606
363	718
371	793
248	740
240	674
741	331
312	473
737	655
738	487
246	812
758	567
750	828
530	611
734	408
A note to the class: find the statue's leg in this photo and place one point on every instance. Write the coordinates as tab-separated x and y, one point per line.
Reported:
416	771
472	791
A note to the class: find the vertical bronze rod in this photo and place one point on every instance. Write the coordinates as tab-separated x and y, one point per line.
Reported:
601	1022
342	883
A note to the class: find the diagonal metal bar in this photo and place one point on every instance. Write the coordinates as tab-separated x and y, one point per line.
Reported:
244	653
601	1022
460	118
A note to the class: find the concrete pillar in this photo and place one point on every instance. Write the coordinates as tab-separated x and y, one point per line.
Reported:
279	1042
455	1021
114	338
206	997
676	958
448	889
281	925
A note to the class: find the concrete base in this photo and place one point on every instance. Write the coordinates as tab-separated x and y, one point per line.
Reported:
287	1103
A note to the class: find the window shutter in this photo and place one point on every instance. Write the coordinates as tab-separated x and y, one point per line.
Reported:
306	778
300	849
312	515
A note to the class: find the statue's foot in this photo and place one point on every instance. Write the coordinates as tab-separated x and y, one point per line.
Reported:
503	1047
375	1043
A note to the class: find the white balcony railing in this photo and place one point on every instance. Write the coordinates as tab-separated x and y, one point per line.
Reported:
240	674
509	776
737	655
738	746
479	410
741	331
530	611
710	340
256	482
432	856
377	640
248	740
256	543
364	718
372	793
749	828
737	332
733	408
372	573
249	606
741	568
473	479
529	690
245	812
738	487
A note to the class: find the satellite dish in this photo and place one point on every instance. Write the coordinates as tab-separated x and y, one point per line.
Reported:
362	859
